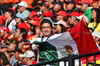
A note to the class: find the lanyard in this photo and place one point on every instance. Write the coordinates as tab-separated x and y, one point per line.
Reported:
43	37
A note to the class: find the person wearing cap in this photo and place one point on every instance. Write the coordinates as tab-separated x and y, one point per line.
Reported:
10	22
48	14
5	34
57	7
96	36
28	57
34	28
60	27
19	18
73	20
85	8
11	46
49	4
22	9
61	15
71	5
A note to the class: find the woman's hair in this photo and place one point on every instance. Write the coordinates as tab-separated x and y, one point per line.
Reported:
63	28
4	58
24	32
97	15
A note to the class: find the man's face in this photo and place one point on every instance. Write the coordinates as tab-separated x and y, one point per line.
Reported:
7	14
70	6
72	20
46	29
16	55
47	4
25	60
56	7
84	6
17	33
59	17
11	47
21	8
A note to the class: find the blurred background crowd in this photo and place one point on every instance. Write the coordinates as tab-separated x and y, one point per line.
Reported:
24	21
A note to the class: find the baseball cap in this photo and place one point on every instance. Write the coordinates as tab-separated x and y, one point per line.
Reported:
6	29
63	13
12	9
48	14
36	23
23	3
96	33
74	14
19	15
62	22
85	1
35	18
73	2
32	13
28	54
22	25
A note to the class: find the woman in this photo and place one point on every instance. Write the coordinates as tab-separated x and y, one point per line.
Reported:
95	20
3	60
60	26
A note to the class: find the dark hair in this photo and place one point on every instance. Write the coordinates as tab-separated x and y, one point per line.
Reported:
33	30
24	32
10	11
4	58
63	28
97	15
46	21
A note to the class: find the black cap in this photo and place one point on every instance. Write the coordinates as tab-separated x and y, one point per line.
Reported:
72	2
60	3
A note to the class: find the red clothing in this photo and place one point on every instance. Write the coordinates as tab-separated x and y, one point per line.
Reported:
34	62
3	40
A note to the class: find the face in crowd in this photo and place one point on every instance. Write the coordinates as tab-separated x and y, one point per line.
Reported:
46	29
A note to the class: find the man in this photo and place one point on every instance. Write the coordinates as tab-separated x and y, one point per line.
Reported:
70	6
20	34
46	28
28	57
85	8
57	7
9	14
22	9
73	20
49	4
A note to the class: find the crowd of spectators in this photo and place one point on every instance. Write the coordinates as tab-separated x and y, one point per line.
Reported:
24	21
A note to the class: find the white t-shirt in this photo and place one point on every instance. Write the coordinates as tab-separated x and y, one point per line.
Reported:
13	22
44	39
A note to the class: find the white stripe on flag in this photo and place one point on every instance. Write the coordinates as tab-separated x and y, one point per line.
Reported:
61	41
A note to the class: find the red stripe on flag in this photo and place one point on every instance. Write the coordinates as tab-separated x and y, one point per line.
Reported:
84	40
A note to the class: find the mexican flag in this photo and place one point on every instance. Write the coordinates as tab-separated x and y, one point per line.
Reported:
77	41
